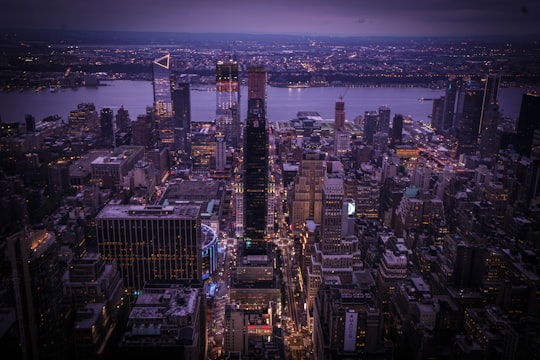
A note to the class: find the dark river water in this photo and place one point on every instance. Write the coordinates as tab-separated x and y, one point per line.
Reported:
282	103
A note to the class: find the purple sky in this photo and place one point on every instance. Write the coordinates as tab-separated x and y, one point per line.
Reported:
317	17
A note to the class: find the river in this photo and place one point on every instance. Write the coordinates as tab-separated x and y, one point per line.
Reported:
282	103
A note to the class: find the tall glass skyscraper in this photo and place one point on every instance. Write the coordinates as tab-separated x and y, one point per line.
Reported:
182	115
162	85
228	101
255	163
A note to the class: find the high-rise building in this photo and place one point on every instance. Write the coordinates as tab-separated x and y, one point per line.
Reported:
396	136
30	121
339	120
450	97
307	194
527	122
163	85
182	115
143	131
255	162
337	254
95	290
123	122
151	242
383	124
371	118
437	115
107	128
474	113
228	101
341	135
42	315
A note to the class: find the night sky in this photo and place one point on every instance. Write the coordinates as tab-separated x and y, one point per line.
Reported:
315	17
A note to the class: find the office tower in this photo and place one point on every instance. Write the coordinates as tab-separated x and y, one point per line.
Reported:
437	115
142	131
257	79
151	242
337	254
162	86
339	120
527	122
383	125
474	114
182	115
30	123
488	134
396	134
366	191
42	315
95	290
489	140
391	272
255	162
203	146
221	152
450	98
107	128
371	118
307	194
460	264
341	135
228	101
123	122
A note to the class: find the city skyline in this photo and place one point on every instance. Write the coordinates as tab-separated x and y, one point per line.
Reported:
299	17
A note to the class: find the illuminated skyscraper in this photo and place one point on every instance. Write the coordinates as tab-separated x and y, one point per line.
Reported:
255	162
162	86
228	101
163	100
151	242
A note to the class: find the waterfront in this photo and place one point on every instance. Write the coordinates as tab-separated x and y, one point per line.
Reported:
283	103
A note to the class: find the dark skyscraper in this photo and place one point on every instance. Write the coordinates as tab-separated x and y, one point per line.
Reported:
107	129
527	122
489	136
396	136
383	125
437	115
449	105
182	115
339	120
255	162
228	101
30	123
468	115
371	119
123	122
